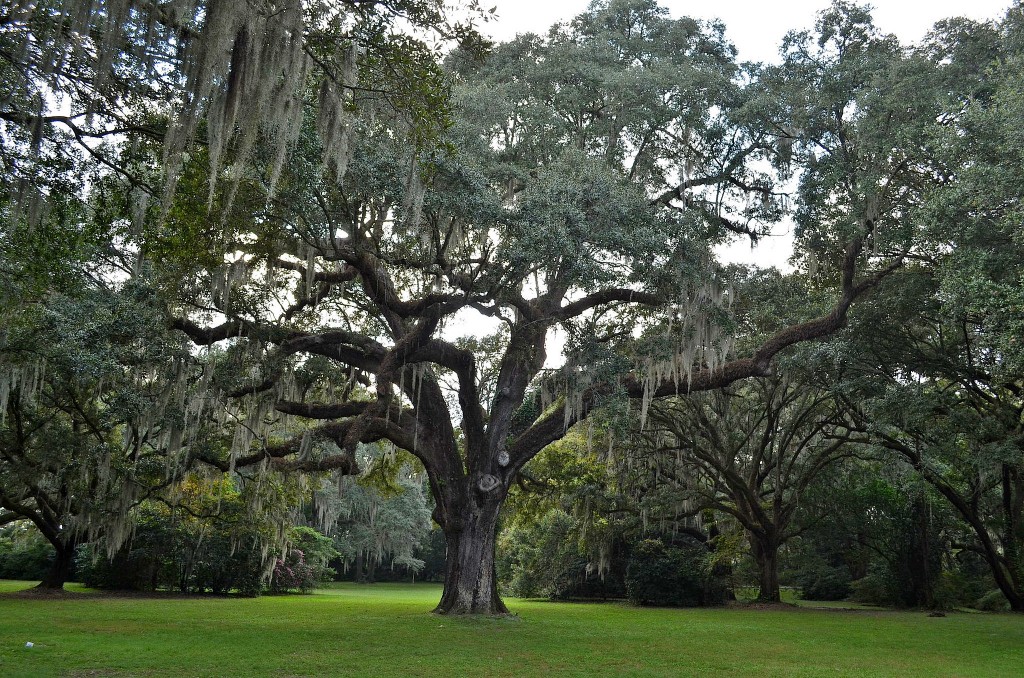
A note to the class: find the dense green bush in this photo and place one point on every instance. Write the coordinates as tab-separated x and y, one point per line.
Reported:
304	565
210	541
292	573
993	601
888	586
971	578
533	558
222	563
545	560
24	552
875	588
145	563
954	589
215	553
675	574
821	581
169	553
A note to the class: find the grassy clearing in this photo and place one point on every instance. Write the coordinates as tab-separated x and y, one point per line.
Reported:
384	630
789	596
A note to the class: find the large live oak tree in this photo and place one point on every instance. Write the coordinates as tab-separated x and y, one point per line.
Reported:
591	173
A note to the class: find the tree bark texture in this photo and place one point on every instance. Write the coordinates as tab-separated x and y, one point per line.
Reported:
470	582
60	570
766	555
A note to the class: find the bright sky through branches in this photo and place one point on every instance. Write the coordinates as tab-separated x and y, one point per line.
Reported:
756	27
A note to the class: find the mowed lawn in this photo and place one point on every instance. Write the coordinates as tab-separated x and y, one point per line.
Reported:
386	630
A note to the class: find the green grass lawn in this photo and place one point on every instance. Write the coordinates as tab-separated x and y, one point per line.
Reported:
386	630
789	595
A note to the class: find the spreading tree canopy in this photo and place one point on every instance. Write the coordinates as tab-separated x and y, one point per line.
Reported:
582	185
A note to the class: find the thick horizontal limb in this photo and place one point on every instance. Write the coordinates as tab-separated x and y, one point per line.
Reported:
609	296
8	517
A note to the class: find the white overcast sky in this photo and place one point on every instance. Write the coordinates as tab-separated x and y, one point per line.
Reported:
756	27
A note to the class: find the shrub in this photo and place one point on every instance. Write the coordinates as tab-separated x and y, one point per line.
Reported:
191	555
993	601
875	588
164	554
546	560
317	551
128	570
292	573
304	564
534	557
824	582
956	588
671	575
888	586
221	563
24	552
896	585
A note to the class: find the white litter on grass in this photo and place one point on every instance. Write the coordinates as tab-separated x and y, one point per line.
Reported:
29	644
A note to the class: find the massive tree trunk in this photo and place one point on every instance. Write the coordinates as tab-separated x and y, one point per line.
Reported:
60	571
470	581
766	555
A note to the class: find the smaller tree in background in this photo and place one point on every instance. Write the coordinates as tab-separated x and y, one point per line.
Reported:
751	453
581	524
90	384
379	518
567	525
